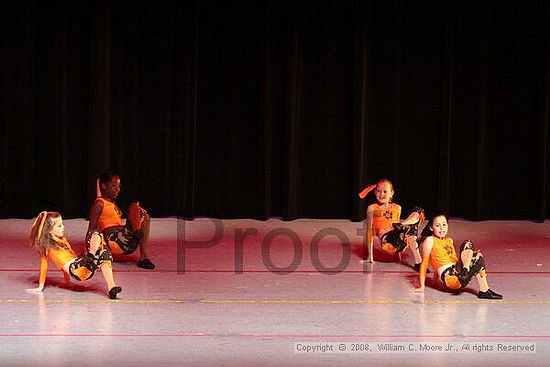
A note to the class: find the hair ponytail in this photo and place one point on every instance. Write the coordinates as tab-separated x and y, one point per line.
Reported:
35	235
97	188
366	190
39	238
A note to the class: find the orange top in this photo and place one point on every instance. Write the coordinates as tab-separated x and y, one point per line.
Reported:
382	219
443	253
111	215
59	255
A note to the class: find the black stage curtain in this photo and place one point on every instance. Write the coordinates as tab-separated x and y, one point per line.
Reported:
286	108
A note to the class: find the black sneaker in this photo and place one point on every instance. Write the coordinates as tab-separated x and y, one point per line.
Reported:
114	291
489	294
146	264
495	294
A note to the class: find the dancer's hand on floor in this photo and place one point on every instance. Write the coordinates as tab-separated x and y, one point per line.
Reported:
34	290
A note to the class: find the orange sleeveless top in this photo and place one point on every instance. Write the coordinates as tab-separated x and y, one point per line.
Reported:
58	255
443	253
111	215
382	219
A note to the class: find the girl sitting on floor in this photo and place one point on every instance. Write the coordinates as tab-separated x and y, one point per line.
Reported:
438	250
47	237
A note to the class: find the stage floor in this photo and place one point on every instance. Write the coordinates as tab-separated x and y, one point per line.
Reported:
276	293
